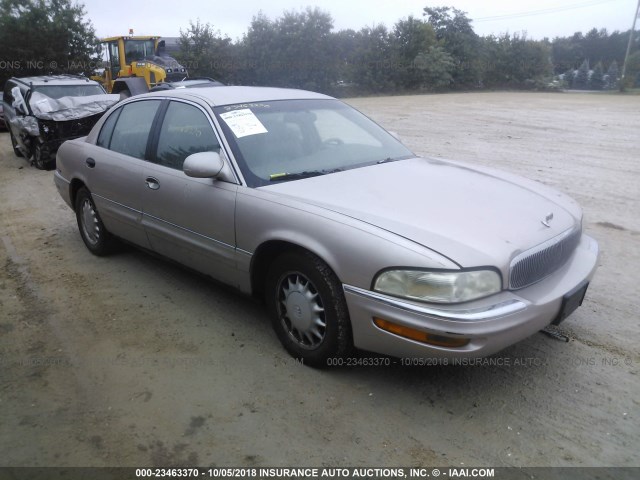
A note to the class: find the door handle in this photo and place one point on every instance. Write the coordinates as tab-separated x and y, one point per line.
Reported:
90	162
152	183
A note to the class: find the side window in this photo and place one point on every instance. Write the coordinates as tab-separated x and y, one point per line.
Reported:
114	55
104	139
185	130
132	128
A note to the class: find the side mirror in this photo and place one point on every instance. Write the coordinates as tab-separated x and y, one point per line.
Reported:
203	165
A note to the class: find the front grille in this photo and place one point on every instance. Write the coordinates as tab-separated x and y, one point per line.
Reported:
175	76
68	129
539	262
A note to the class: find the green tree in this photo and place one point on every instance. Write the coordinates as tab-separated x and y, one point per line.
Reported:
455	34
344	43
595	46
435	66
374	60
568	78
596	82
567	52
514	61
581	80
612	77
295	50
632	74
46	36
205	52
422	62
258	49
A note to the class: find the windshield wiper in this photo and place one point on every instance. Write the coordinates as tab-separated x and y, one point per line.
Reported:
390	159
386	160
276	177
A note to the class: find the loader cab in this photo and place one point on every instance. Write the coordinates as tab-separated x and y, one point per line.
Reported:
138	50
122	52
136	64
113	58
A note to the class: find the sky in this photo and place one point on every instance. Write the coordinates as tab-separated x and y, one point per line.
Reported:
538	18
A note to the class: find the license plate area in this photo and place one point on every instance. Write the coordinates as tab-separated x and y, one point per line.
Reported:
570	302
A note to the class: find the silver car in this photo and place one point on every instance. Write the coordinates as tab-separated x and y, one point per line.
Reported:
350	239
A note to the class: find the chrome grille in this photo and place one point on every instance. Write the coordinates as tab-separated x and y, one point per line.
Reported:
539	262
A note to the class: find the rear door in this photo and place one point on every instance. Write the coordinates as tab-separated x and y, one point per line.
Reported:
190	220
115	168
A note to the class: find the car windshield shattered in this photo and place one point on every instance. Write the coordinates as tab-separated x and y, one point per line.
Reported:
286	140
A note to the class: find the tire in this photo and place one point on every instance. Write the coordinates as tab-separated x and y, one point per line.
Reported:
308	309
40	156
14	144
94	235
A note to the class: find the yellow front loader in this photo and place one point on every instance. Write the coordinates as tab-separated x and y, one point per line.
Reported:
135	64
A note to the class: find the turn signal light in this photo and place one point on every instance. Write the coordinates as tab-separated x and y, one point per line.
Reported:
419	336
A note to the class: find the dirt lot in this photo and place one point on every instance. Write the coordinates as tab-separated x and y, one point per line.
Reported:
131	361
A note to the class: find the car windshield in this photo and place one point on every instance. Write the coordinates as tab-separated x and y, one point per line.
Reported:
286	140
59	91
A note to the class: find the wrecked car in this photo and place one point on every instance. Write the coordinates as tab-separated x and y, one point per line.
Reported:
42	112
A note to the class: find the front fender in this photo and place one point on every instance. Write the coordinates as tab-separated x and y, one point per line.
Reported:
355	251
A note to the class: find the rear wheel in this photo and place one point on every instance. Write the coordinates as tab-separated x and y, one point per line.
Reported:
308	309
94	235
14	144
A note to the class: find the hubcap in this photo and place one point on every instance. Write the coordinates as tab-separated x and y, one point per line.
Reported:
90	225
301	311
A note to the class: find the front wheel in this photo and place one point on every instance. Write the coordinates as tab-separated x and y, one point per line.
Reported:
14	144
308	309
97	239
40	156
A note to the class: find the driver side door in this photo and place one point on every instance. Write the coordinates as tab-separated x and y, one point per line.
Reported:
191	220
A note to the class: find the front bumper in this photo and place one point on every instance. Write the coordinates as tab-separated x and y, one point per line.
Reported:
491	324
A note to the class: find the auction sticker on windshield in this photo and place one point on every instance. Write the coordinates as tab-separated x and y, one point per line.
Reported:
243	123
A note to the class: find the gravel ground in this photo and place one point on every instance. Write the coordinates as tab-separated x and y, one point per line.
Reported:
132	361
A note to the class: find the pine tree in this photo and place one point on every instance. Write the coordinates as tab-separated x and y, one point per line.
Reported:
596	82
612	80
581	81
568	77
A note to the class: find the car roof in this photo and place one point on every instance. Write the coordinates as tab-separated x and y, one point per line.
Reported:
188	83
224	95
195	82
55	80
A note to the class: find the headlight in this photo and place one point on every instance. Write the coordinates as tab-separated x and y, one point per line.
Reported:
438	287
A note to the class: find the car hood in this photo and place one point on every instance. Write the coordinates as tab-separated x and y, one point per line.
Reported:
472	216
